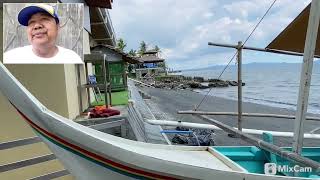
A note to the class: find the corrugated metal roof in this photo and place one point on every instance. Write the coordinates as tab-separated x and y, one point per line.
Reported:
148	58
125	56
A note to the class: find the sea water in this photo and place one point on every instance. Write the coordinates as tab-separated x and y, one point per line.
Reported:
273	84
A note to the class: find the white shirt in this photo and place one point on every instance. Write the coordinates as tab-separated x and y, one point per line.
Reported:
25	55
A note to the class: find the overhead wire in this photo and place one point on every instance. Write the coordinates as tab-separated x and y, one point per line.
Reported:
245	41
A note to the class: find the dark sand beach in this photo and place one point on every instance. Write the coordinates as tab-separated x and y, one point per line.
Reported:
168	102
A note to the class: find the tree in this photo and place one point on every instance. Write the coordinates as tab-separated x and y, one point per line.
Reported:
130	68
121	45
162	65
156	48
143	48
132	53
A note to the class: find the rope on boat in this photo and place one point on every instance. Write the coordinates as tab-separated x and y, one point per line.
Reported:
256	26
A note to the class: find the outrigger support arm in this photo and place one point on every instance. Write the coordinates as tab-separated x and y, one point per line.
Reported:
291	156
266	146
163	122
258	49
246	114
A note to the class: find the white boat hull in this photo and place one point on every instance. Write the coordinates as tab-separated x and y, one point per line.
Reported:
91	154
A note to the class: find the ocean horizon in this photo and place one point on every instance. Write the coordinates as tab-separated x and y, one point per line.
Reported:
272	84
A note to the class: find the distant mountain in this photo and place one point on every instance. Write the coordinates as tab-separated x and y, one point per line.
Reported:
234	66
253	64
205	68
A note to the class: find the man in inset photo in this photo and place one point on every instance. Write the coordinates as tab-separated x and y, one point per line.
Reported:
42	26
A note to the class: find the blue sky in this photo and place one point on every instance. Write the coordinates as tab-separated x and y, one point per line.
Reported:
183	28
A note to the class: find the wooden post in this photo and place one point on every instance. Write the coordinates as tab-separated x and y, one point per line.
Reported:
87	75
305	79
125	74
105	80
123	130
79	88
239	57
109	85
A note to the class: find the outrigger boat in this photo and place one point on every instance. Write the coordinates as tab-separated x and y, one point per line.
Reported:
90	154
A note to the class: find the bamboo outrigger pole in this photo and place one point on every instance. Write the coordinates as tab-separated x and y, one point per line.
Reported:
246	114
257	49
291	156
305	79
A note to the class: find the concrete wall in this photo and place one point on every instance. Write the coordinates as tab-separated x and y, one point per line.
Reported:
56	86
45	82
48	84
71	79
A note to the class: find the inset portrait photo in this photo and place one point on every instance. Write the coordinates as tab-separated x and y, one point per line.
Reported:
43	33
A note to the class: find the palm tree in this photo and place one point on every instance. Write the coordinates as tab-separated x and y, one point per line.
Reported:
132	53
143	48
156	48
121	45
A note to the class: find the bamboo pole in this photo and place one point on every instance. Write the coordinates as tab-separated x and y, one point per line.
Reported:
79	88
105	80
213	127
292	156
248	138
246	114
306	72
258	49
109	84
239	57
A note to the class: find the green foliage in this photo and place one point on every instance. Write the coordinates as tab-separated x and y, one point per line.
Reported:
162	65
143	48
121	44
156	48
132	53
130	68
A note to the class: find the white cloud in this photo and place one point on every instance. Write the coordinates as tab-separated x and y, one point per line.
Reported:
182	29
208	14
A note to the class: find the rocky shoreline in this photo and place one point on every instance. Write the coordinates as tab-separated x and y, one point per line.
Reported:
182	82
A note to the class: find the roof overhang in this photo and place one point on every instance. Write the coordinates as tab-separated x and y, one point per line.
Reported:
150	58
19	1
125	57
101	27
292	38
100	3
153	61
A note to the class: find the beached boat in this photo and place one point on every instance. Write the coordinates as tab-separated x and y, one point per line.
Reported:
90	154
